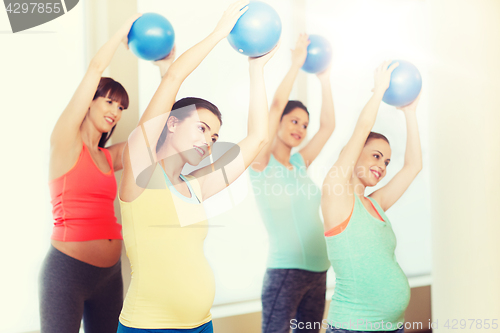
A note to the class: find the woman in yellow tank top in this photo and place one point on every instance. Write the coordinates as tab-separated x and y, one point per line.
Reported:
164	228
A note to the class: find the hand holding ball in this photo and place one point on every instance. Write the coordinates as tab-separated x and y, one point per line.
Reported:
319	54
405	85
257	31
151	37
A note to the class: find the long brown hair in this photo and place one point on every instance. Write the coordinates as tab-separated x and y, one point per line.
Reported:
113	90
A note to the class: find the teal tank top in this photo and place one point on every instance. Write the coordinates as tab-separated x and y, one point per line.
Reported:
370	284
289	203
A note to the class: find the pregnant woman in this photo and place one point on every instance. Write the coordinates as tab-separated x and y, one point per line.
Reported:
81	274
172	287
371	292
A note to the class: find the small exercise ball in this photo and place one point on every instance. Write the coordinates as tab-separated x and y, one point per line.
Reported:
405	84
151	37
319	54
257	31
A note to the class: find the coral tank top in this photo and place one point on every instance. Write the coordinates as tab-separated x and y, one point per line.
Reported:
82	202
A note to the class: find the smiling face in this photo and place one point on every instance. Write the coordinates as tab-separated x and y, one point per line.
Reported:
293	127
193	137
373	161
104	113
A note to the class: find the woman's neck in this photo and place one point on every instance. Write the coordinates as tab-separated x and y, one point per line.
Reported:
172	163
281	151
90	135
359	187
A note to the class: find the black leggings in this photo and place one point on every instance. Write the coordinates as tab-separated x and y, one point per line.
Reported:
70	289
293	294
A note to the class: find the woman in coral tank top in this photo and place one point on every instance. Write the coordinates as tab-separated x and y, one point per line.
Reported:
81	274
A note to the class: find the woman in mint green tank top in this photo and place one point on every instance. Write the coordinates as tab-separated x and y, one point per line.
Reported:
295	281
372	291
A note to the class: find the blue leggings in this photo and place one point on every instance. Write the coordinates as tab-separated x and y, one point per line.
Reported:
205	328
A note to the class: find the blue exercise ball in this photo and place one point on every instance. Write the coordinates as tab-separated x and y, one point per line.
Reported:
405	84
151	37
319	54
257	31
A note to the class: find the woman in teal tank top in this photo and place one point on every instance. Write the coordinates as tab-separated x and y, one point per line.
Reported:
295	281
372	291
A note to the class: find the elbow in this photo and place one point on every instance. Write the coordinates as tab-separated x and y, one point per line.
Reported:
263	141
173	75
418	165
415	167
419	168
260	141
52	140
332	127
278	104
96	66
327	128
364	126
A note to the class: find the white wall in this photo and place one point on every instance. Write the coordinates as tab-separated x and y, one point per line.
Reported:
464	97
40	69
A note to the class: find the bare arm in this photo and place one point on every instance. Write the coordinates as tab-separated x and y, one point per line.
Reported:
280	100
213	182
116	152
164	98
336	200
165	63
390	193
66	132
141	148
327	121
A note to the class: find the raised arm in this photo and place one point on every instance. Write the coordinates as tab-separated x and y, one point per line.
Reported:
165	63
248	148
336	199
327	120
141	148
280	100
66	132
390	193
116	150
164	98
350	154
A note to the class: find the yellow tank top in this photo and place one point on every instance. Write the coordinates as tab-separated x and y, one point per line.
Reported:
172	284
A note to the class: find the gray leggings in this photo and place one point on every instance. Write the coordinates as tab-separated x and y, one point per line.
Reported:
292	294
71	289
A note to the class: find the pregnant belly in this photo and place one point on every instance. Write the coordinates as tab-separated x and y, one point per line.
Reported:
387	294
372	295
171	294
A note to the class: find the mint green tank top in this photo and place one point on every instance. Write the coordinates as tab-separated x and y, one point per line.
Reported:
289	203
370	284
